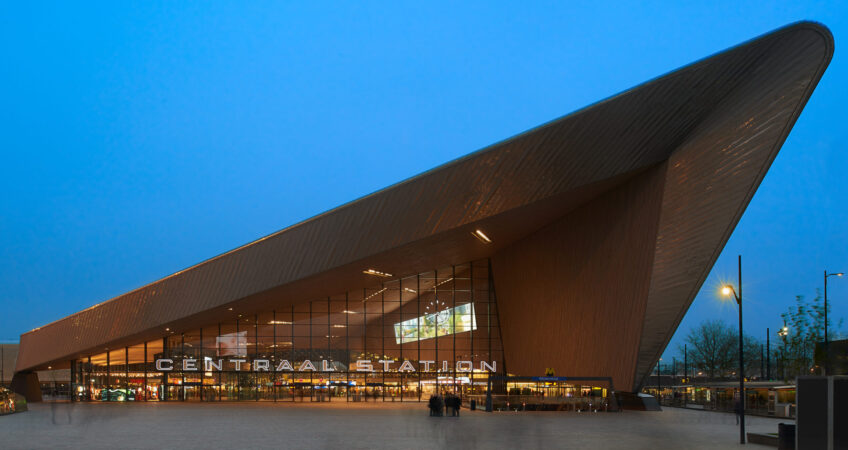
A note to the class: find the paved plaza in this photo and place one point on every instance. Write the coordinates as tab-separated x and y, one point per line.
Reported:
343	426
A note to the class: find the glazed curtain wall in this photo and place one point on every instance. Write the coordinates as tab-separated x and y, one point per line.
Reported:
403	322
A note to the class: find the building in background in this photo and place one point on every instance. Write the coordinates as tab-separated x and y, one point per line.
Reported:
52	383
572	249
8	356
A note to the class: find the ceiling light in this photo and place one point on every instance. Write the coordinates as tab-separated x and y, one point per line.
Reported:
376	273
375	294
349	312
279	322
482	236
410	290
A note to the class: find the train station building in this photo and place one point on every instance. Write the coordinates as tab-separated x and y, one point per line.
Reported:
559	261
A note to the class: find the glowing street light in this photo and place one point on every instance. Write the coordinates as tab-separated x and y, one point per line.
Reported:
728	290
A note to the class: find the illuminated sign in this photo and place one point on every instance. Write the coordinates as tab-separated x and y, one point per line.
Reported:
450	321
362	365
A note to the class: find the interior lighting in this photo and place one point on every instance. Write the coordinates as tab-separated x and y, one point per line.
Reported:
375	294
481	236
445	281
376	273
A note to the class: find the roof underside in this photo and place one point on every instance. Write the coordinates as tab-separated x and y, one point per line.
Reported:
720	119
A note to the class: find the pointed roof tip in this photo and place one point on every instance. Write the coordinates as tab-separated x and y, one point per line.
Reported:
791	28
810	25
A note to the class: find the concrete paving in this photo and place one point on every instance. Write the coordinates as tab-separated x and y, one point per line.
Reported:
344	426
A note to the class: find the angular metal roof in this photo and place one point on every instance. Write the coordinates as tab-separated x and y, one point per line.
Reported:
718	123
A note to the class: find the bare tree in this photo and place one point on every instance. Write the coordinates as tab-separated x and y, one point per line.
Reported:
714	350
712	347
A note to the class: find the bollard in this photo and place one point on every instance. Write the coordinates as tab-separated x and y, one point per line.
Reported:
785	436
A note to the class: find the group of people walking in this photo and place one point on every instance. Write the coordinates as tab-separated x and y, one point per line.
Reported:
449	401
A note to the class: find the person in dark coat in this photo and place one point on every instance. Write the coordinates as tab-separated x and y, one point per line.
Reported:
454	399
446	402
737	408
457	404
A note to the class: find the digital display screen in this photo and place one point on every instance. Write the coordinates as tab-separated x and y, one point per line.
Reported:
232	344
450	321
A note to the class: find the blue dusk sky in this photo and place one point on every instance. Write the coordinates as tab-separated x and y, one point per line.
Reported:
141	138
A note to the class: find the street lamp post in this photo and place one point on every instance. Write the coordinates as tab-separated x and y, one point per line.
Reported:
762	362
768	356
727	291
826	344
673	371
783	333
659	386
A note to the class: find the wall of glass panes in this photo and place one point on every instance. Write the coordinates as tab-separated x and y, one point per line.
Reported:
444	316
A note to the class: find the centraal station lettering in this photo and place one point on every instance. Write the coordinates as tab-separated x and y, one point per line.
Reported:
362	365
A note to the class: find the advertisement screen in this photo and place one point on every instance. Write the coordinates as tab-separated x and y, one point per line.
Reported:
232	344
450	321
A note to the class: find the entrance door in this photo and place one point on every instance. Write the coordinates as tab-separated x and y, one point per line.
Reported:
302	392
191	393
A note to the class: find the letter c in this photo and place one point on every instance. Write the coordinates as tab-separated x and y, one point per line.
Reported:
160	367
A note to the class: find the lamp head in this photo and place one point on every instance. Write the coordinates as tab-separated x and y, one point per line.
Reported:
727	291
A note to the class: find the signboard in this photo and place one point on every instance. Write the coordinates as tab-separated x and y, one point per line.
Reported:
549	378
458	319
362	365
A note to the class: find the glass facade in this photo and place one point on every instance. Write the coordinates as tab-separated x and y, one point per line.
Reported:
401	339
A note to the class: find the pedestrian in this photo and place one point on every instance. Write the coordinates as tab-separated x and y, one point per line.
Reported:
440	405
432	405
457	404
737	408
